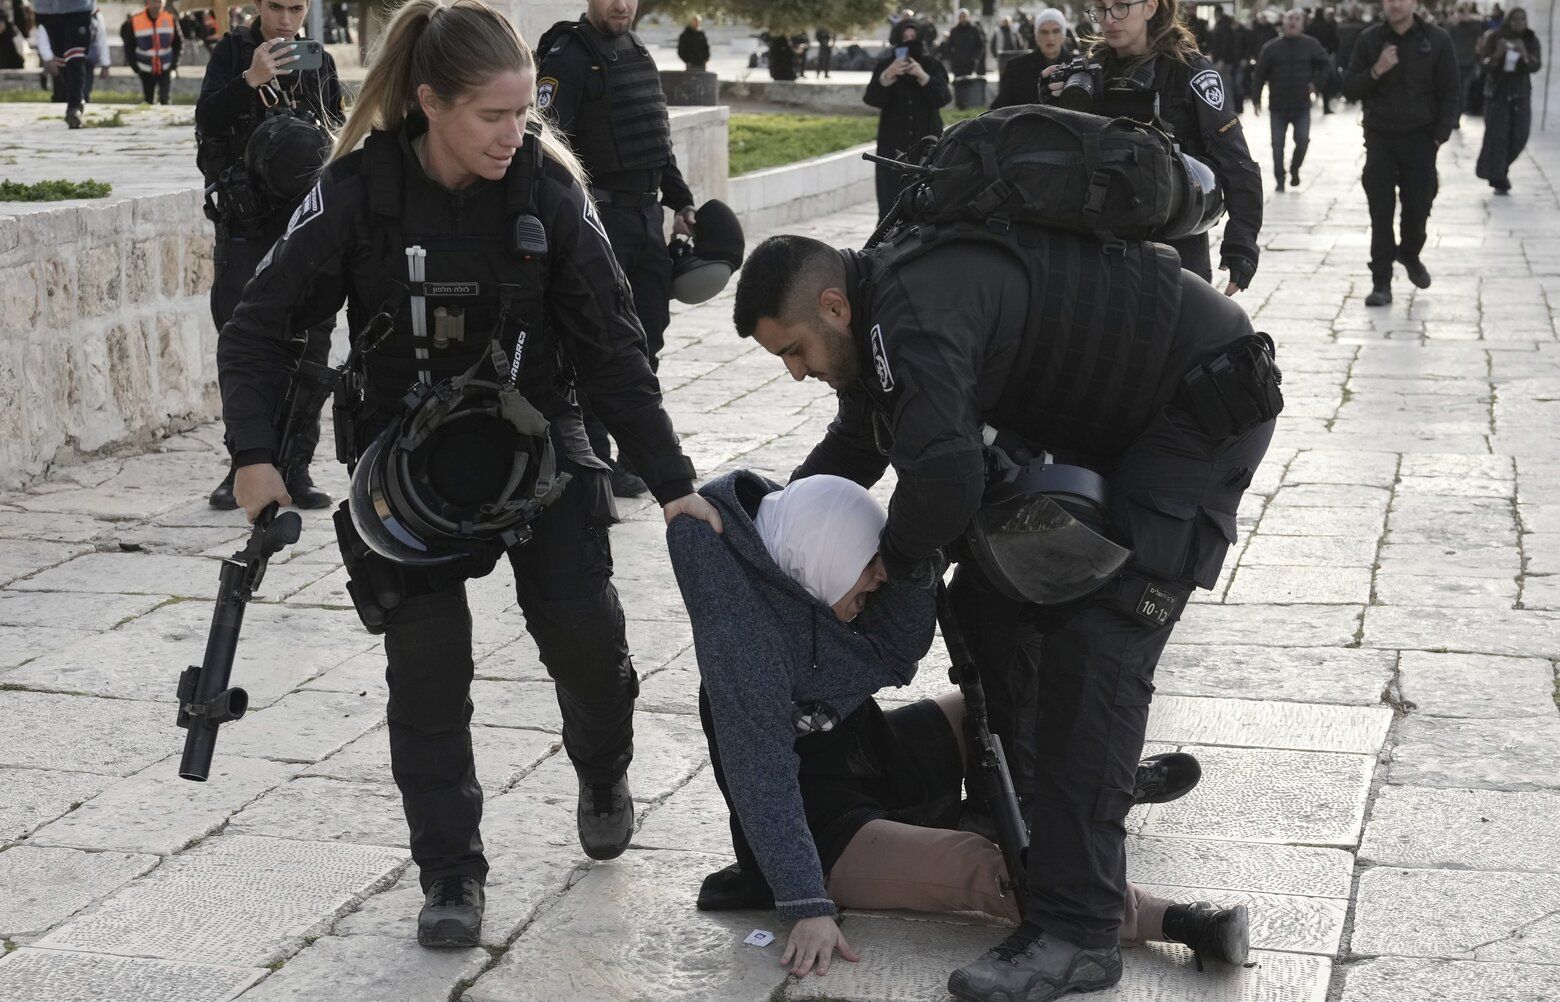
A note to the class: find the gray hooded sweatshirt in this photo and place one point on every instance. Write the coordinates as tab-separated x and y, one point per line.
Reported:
770	653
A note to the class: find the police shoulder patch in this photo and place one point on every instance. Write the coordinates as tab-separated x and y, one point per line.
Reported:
312	206
1209	86
885	374
546	88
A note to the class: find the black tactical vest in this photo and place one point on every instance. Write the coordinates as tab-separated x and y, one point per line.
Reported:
1091	372
476	286
626	127
1171	80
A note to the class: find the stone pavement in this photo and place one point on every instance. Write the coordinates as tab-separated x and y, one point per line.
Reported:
1370	689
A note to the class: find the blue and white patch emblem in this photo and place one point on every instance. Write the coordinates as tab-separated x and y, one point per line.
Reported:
885	374
310	208
546	87
594	219
1210	87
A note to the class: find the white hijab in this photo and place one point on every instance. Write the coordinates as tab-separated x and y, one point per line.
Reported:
822	531
1051	14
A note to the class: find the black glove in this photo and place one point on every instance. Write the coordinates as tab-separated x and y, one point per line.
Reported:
1241	269
929	570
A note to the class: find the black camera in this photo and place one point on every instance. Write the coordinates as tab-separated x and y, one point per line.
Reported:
1082	83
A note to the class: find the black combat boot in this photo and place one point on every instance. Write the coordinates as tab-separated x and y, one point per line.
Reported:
452	913
1035	966
1417	272
735	889
1213	933
606	818
301	486
1163	778
1380	295
222	498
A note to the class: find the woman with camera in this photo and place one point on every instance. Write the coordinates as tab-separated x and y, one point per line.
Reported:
1145	48
464	214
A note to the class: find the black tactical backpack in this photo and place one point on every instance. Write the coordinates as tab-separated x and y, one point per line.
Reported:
1116	178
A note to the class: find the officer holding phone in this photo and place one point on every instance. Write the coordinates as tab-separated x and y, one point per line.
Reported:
262	69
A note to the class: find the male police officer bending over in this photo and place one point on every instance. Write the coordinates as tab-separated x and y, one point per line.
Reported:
1118	361
600	87
247	82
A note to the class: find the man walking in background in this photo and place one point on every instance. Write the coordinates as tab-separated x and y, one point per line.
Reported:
1293	66
1404	71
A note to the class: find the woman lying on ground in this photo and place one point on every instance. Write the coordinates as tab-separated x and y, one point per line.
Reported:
836	802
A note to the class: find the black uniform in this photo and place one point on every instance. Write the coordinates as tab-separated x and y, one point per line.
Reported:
970	334
1409	112
1198	114
348	242
908	113
227	113
1021	81
604	94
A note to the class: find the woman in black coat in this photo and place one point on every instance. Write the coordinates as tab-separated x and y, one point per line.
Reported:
1510	56
908	87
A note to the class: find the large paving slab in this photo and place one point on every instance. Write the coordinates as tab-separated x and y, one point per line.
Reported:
115	737
191	908
155	811
637	910
143	658
1461	914
35	797
359	966
1385	979
1304	674
1468	685
1268	724
43	887
1464	829
57	976
1514	753
1252	795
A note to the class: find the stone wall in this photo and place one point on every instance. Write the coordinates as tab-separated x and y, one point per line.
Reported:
105	333
779	196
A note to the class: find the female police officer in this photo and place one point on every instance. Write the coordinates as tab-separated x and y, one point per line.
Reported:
1145	48
423	220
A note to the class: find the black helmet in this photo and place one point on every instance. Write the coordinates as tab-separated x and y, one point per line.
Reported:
460	476
702	266
285	154
1029	543
1199	203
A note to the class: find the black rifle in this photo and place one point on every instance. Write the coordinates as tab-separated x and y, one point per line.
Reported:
205	698
991	767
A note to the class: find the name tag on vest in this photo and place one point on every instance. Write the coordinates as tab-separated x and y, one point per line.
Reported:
452	290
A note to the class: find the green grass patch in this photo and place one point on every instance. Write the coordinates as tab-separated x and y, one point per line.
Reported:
52	191
759	141
114	121
99	96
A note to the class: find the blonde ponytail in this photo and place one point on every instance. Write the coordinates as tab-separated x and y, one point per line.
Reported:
454	48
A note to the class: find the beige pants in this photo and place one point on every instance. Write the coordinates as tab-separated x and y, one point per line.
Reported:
894	865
